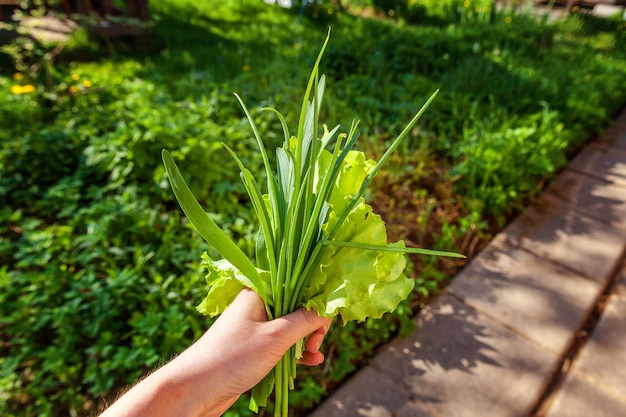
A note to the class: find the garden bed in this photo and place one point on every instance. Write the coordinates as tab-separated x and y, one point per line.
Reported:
100	273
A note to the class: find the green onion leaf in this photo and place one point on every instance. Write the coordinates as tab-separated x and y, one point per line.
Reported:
207	227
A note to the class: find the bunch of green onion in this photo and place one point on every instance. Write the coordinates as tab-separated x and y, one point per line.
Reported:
319	244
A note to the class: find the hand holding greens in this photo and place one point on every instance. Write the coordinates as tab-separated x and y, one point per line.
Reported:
319	245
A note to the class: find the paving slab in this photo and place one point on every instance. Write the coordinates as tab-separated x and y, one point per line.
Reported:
595	383
602	162
557	231
369	393
535	297
459	363
462	363
581	398
603	200
411	410
603	358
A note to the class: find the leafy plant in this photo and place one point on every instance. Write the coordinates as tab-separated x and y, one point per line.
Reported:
319	244
534	147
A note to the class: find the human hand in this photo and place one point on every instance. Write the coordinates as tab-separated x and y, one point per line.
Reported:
242	346
233	355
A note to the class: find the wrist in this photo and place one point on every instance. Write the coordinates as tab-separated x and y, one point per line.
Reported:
195	388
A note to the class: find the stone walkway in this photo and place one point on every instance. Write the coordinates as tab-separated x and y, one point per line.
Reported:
534	326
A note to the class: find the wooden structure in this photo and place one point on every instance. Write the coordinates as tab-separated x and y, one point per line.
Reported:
108	18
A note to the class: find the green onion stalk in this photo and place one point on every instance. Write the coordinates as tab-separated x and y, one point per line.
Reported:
319	245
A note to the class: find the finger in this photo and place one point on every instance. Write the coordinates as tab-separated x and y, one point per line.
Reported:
248	304
311	358
314	341
295	326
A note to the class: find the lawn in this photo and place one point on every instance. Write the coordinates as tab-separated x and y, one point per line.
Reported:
100	272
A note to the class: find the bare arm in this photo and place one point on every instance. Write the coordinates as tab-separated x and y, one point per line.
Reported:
239	349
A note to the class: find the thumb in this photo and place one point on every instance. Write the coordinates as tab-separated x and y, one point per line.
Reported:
299	324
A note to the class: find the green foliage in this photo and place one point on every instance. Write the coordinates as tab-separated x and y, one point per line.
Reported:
495	162
90	303
100	273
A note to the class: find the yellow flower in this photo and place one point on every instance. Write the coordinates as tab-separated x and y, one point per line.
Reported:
245	68
86	83
575	8
73	89
25	89
75	77
18	76
466	4
28	89
507	20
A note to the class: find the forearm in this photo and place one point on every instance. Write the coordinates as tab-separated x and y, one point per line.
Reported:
173	390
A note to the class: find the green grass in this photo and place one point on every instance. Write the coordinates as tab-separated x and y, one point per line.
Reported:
91	237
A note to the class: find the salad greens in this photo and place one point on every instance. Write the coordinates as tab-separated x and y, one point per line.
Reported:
319	245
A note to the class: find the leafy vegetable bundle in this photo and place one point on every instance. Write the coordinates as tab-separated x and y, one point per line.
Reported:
319	244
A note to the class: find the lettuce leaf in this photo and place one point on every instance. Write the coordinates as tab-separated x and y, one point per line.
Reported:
225	282
353	283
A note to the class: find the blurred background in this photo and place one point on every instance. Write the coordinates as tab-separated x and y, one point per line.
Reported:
100	271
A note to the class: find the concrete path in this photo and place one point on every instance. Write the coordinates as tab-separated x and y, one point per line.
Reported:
534	326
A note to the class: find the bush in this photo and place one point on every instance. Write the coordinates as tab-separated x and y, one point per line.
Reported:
495	165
